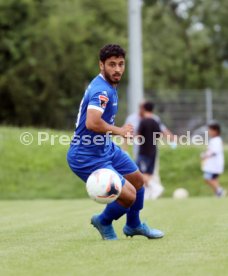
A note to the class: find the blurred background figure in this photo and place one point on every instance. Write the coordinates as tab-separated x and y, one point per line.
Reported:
150	130
213	159
154	188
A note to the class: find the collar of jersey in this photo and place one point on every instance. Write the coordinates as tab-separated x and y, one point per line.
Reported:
101	76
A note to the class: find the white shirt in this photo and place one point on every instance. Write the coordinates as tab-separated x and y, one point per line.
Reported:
214	163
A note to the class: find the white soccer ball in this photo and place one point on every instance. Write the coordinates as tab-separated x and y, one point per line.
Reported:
180	193
104	186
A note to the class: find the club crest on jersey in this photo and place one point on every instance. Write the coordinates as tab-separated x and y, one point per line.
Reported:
103	100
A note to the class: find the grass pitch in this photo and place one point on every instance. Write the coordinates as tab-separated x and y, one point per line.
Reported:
54	237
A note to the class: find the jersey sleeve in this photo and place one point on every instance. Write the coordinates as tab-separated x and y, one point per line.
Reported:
98	101
158	120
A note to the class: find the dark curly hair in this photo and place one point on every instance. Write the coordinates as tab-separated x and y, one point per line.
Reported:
111	50
214	125
148	106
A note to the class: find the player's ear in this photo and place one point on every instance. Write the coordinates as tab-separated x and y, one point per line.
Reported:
101	65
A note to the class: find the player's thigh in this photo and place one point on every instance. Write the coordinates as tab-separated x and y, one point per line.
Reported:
122	162
125	166
128	194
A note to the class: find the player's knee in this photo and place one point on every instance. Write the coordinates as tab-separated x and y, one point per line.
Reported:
128	195
131	197
141	182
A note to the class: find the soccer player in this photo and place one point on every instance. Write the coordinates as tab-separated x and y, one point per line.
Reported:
96	116
213	159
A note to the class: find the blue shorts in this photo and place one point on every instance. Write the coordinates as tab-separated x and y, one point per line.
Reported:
116	160
146	164
210	176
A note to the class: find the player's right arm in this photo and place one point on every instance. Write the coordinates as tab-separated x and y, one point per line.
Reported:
95	123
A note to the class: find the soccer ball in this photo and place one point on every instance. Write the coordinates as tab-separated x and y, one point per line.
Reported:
104	186
180	193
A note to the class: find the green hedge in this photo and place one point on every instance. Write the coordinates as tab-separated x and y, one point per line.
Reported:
41	171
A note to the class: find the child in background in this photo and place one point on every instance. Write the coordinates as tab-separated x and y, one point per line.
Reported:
213	159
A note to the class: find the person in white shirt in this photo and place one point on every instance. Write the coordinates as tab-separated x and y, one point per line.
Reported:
213	159
154	189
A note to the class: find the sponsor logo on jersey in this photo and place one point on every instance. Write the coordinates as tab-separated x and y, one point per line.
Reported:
103	100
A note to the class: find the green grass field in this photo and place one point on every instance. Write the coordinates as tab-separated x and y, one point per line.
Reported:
28	172
54	237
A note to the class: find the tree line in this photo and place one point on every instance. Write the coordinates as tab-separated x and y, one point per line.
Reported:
49	51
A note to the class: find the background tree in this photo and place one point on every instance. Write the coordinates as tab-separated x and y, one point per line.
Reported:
185	44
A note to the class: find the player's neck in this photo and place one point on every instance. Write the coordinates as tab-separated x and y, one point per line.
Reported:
148	115
103	77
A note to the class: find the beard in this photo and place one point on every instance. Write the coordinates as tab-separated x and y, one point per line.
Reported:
110	78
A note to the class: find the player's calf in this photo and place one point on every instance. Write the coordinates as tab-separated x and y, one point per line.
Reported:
114	211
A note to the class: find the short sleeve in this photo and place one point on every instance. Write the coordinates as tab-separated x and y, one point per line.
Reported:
158	120
99	101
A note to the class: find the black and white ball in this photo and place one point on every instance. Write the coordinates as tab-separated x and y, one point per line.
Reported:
104	186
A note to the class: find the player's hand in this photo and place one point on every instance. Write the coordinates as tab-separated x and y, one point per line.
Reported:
127	131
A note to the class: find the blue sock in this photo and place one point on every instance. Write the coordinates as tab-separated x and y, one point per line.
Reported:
112	211
133	219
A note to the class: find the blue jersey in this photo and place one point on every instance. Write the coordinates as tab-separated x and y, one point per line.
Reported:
90	151
99	95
